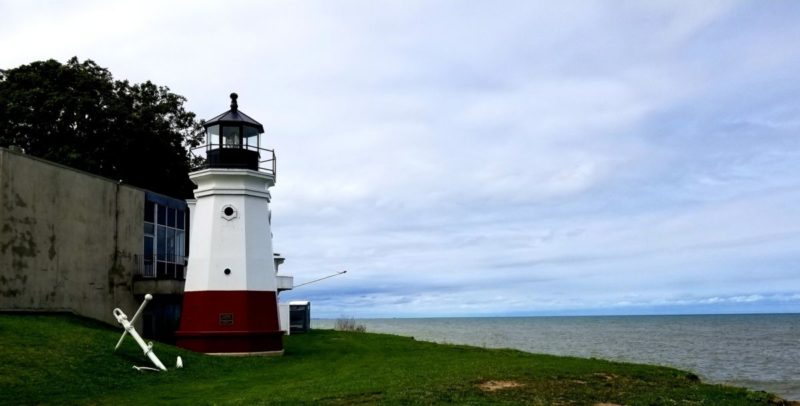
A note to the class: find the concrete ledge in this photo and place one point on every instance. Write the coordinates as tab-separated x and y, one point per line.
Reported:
285	282
158	286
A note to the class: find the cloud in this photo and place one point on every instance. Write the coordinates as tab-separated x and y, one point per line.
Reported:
477	159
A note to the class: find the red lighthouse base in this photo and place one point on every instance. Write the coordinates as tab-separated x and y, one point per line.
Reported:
230	322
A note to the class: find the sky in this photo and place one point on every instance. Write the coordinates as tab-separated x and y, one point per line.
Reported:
483	158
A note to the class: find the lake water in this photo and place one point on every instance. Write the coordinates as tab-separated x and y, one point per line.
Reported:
755	351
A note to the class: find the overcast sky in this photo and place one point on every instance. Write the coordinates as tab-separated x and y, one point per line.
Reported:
473	158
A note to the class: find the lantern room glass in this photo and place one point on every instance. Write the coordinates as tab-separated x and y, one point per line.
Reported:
251	138
231	137
212	136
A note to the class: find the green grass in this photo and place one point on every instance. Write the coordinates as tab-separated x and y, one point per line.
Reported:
56	359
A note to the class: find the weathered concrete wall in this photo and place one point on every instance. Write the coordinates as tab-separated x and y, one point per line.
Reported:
69	240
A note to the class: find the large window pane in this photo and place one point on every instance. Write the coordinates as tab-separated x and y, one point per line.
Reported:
147	261
171	245
162	214
162	243
171	217
149	211
180	242
148	248
149	269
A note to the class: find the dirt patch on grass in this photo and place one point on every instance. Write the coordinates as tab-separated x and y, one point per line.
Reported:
492	386
608	377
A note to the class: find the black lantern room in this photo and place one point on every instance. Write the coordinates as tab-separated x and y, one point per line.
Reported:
233	139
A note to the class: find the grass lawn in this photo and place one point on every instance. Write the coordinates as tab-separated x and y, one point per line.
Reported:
57	359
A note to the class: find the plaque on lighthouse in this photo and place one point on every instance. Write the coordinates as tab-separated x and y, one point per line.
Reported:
230	301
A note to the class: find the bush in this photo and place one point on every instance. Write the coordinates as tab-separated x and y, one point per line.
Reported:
349	324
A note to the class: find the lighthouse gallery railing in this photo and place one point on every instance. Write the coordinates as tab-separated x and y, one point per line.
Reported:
203	155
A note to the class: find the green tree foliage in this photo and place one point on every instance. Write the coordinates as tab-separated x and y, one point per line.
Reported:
76	114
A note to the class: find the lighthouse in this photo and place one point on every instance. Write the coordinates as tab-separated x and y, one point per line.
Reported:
230	303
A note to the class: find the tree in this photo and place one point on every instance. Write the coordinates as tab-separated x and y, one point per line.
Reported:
76	114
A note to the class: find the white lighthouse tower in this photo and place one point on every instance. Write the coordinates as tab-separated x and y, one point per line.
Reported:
230	300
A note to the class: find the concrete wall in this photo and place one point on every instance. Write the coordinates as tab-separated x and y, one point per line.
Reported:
69	240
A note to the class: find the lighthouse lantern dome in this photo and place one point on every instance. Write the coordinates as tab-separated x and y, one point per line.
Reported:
233	139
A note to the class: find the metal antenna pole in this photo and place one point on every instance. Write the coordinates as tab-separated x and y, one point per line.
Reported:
317	280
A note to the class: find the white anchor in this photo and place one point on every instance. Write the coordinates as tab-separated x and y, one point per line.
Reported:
128	326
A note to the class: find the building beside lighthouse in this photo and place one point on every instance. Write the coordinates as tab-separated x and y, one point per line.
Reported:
230	302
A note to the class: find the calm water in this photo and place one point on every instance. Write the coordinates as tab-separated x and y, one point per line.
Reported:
755	351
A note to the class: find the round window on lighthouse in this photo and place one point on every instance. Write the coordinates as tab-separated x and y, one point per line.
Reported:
229	212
